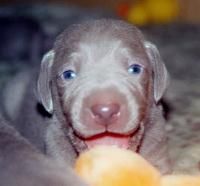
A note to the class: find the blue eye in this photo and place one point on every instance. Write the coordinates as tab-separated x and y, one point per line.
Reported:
69	74
135	69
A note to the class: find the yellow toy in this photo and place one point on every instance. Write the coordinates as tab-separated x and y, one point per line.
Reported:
144	12
112	166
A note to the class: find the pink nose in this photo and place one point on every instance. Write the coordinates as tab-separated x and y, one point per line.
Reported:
106	113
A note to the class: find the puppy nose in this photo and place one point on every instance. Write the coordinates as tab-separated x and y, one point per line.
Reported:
106	113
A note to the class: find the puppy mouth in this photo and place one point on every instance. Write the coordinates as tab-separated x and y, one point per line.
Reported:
129	140
121	141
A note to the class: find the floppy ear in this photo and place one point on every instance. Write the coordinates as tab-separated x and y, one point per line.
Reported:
43	84
161	79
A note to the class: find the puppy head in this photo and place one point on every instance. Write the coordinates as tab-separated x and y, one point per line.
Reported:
107	78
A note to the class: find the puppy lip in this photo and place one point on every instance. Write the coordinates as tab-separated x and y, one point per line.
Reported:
106	132
121	141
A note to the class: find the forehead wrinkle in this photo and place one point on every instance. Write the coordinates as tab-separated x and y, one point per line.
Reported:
99	51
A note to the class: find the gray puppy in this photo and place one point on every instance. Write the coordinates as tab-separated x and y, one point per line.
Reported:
100	85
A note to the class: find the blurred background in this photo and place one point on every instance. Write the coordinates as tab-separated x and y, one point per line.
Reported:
28	29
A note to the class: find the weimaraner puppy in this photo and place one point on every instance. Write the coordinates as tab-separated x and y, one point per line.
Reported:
101	84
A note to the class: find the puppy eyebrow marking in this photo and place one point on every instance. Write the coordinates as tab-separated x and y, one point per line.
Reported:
72	61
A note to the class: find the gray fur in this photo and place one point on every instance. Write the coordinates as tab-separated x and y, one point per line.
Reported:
161	81
44	93
22	164
100	52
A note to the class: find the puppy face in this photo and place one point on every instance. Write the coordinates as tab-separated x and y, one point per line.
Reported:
104	79
104	88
